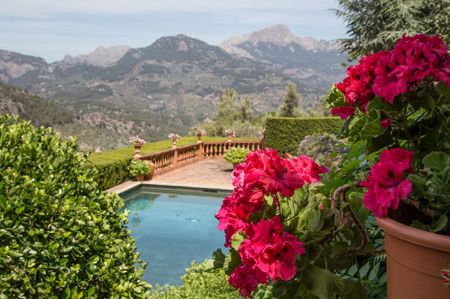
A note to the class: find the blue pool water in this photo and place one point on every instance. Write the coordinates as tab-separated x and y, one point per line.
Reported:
172	229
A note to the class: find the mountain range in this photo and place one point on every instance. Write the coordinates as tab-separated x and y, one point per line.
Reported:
174	82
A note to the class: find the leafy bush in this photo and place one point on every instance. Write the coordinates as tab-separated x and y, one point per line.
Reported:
112	174
236	155
284	134
325	148
200	281
60	236
138	167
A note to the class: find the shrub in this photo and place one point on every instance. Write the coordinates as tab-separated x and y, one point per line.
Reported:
138	167
325	148
236	155
112	174
200	281
60	236
284	134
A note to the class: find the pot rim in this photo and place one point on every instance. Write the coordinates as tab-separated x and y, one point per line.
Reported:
414	235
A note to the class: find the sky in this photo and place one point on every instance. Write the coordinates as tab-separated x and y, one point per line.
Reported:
53	28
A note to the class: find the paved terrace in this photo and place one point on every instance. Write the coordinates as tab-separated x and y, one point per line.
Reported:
208	173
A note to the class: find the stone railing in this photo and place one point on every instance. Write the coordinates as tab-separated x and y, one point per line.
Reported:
178	156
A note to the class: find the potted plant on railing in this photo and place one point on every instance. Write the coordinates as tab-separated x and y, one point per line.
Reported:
398	102
137	142
138	169
174	138
200	133
230	135
236	155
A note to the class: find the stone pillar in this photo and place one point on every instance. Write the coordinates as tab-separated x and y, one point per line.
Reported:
175	154
200	150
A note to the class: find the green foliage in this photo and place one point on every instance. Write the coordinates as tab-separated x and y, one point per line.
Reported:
325	149
200	281
431	188
138	167
234	114
236	155
389	20
284	134
291	101
112	174
60	235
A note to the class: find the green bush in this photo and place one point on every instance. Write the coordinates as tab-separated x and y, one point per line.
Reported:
200	281
236	155
60	235
112	174
284	133
138	167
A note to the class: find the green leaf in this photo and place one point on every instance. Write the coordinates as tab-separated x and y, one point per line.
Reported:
436	161
324	284
237	240
374	271
364	270
440	224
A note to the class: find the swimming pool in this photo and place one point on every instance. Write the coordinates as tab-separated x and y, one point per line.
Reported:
173	227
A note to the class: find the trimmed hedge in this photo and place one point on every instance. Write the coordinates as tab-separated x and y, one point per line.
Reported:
285	133
112	174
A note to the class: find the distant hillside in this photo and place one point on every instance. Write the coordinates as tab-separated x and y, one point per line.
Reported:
41	112
174	82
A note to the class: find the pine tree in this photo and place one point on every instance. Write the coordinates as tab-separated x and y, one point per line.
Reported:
375	25
291	101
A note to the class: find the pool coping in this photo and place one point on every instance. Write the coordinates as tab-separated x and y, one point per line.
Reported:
130	185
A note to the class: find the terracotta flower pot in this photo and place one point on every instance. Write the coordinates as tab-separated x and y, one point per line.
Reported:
415	259
139	178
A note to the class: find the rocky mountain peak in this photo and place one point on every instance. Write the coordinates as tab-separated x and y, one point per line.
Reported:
278	34
179	43
101	56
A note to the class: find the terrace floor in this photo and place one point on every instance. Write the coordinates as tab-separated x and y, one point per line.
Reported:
209	173
205	174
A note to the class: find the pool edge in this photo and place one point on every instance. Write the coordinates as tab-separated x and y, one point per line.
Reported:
130	186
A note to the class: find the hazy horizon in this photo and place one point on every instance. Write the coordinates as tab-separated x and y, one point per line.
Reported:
52	29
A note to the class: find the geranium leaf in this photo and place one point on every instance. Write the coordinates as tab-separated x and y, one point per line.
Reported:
436	161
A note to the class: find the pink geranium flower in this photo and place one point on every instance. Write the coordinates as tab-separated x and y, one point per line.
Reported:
308	169
385	184
246	278
270	249
343	112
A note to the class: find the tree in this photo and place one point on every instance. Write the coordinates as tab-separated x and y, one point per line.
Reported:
375	25
236	114
291	101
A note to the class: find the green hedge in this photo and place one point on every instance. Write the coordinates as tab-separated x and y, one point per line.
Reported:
112	174
60	235
285	133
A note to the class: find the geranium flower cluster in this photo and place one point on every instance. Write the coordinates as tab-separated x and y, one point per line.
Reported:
386	184
268	252
387	74
136	140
